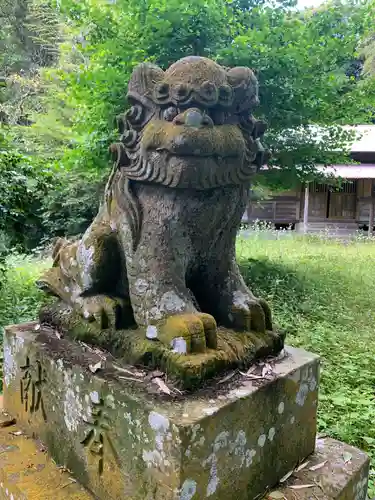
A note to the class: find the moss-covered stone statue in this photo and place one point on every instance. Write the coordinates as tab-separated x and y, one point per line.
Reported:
158	262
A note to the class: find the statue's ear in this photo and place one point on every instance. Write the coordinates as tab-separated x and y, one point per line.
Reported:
245	88
141	88
143	81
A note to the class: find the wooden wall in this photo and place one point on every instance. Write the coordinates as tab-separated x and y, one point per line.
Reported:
287	207
283	208
363	200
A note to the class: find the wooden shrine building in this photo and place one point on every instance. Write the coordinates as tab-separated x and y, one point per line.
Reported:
314	206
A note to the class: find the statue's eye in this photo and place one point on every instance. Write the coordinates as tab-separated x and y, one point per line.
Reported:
170	114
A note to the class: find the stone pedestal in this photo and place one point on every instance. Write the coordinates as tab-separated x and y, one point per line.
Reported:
335	471
234	439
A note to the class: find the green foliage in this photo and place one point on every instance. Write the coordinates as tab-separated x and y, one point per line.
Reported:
301	63
321	295
23	184
306	61
301	58
20	300
68	209
29	35
29	40
368	52
367	45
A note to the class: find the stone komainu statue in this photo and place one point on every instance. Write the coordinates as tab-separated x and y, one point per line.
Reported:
161	252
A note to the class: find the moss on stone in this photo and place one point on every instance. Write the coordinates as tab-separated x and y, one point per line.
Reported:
234	349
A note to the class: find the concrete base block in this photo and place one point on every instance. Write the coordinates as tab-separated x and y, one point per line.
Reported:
234	439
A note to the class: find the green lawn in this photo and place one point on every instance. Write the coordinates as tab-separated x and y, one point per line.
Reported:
321	293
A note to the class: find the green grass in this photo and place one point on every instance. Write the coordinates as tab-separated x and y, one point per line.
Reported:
19	297
321	293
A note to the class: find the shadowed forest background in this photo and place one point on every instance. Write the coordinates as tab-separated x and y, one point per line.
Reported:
64	68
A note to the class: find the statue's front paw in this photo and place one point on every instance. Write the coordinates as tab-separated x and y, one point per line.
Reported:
249	313
186	333
104	310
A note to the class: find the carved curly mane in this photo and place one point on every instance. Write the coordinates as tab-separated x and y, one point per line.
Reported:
151	91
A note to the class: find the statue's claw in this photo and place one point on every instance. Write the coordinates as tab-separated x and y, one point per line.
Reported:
105	311
250	314
187	333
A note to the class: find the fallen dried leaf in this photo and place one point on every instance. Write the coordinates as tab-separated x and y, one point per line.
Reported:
134	373
302	466
276	495
155	373
301	486
16	433
71	481
7	423
252	376
286	477
347	456
100	353
96	367
133	379
252	369
227	377
86	346
318	466
162	386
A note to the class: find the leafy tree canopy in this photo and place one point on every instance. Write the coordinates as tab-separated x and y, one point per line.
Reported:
305	62
312	65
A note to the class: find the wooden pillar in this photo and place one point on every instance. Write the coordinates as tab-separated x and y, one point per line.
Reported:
249	208
249	211
371	217
306	209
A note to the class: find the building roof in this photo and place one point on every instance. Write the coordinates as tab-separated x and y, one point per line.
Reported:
366	142
363	143
366	171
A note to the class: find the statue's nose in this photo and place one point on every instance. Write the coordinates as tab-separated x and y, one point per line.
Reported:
193	118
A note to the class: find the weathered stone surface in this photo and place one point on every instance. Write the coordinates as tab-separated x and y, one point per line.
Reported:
160	255
341	473
27	473
121	441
